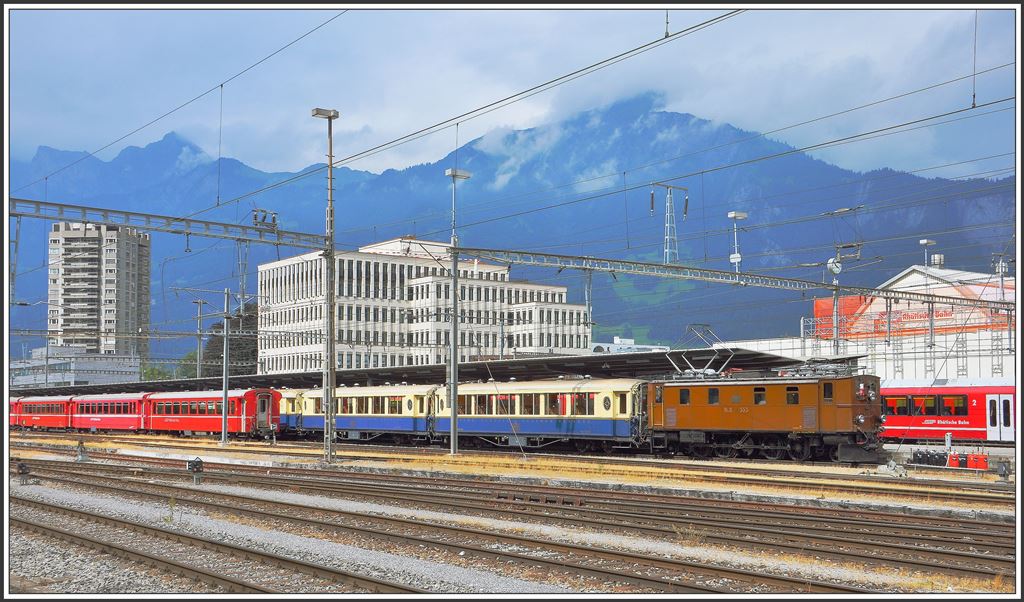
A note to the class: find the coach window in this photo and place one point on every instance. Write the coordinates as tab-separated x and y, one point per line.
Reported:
480	403
953	405
194	409
924	405
760	396
827	392
551	409
895	405
212	407
394	405
531	404
792	396
1006	411
713	397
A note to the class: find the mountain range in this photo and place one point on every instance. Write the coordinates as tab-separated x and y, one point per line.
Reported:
580	186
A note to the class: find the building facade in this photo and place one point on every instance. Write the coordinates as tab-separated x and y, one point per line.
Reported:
98	291
393	304
908	340
623	345
58	366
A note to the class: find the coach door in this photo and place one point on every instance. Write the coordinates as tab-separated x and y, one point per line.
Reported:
1000	417
263	411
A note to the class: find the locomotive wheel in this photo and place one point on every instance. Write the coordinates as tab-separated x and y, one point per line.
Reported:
725	452
799	452
775	453
833	453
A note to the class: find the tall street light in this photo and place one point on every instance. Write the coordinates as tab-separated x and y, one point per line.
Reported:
453	361
46	359
199	335
926	242
329	368
735	258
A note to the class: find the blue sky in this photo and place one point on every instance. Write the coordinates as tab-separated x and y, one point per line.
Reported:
79	79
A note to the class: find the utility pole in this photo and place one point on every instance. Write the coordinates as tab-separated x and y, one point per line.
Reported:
453	362
328	364
227	349
199	336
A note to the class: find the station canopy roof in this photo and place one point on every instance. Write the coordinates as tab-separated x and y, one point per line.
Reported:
647	364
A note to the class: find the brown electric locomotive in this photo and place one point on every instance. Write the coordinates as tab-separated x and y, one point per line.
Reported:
835	417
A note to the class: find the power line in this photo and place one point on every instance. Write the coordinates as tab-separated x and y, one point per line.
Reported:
183	105
837	141
487	108
503	200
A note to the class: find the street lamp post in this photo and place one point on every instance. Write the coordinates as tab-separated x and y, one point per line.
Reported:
926	242
199	336
46	356
735	258
453	360
224	376
328	364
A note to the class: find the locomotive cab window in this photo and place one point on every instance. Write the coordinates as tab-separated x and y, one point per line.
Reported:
684	397
792	396
712	397
760	396
826	392
622	403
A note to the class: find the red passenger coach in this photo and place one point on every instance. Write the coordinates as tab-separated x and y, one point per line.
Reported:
250	411
114	412
971	410
41	412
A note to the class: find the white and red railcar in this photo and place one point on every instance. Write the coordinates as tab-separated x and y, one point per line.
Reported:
250	412
971	410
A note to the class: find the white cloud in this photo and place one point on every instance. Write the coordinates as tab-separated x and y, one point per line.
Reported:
80	79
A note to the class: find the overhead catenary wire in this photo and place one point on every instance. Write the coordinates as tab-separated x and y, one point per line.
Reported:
487	108
845	139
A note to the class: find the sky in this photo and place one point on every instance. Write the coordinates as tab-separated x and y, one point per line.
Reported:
81	79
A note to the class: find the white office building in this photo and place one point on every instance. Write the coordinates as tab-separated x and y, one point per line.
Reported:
392	303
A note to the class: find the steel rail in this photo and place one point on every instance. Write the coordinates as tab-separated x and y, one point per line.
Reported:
147	559
795	538
183	495
806	481
309	568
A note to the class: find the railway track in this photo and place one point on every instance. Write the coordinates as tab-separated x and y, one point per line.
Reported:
238	553
981	553
794	480
651	573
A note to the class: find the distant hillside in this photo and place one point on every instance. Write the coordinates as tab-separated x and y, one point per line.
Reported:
523	170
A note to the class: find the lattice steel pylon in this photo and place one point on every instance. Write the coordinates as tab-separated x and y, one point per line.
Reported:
671	246
671	242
